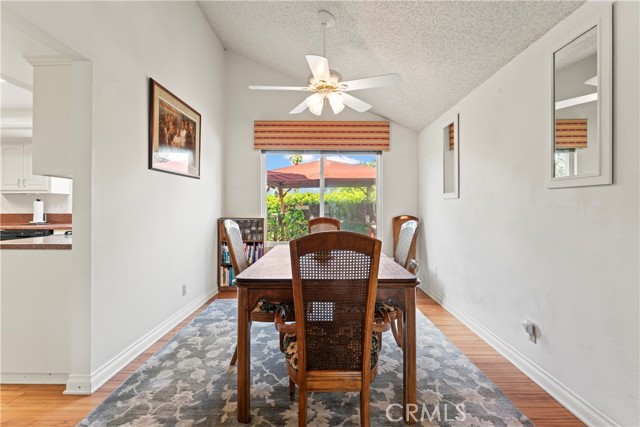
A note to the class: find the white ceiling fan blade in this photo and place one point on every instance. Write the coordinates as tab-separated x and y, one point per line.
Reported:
319	67
370	82
355	103
299	108
298	88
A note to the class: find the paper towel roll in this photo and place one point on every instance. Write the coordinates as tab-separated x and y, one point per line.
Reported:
38	211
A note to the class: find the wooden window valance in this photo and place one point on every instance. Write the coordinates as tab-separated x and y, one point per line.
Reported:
451	137
321	135
571	133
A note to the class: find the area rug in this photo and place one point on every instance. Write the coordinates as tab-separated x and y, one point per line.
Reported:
189	383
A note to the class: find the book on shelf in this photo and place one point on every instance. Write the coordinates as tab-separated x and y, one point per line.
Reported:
226	276
252	233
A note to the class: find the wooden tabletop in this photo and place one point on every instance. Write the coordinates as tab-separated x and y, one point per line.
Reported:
275	267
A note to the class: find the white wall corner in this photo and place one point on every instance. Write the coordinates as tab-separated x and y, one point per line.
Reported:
89	384
563	394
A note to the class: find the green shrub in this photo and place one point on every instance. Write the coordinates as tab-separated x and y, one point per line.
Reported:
349	204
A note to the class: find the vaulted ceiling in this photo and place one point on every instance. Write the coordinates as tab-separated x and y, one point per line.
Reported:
442	49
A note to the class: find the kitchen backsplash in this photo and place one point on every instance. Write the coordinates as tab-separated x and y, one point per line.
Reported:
23	203
7	219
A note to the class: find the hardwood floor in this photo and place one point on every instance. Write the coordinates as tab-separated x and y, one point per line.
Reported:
46	406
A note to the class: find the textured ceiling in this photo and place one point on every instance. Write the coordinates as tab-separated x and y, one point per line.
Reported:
442	50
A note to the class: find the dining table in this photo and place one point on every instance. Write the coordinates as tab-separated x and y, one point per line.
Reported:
269	279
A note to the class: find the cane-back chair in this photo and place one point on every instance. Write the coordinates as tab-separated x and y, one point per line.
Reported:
334	344
264	310
404	253
323	224
398	222
405	237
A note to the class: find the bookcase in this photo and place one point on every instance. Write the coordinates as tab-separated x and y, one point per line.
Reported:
252	230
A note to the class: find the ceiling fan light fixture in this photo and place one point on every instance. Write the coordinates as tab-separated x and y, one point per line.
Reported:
315	103
326	84
336	101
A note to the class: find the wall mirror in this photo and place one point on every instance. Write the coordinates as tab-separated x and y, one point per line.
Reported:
581	143
450	158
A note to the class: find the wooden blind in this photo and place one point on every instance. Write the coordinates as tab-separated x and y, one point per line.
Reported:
571	133
321	135
451	137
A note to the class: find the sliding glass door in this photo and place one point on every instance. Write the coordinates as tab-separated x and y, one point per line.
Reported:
301	186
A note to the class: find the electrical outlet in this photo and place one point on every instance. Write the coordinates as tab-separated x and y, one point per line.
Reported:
530	328
184	290
435	271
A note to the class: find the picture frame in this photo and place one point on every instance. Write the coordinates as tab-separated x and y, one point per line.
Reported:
174	134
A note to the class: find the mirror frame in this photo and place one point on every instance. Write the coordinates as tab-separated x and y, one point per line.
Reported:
603	21
455	118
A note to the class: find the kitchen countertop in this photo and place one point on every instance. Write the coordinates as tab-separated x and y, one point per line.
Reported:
47	226
57	241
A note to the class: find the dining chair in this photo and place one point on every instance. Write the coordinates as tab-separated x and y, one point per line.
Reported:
397	222
334	344
405	237
316	225
264	310
404	252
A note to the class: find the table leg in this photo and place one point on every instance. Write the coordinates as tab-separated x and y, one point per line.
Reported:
244	355
409	352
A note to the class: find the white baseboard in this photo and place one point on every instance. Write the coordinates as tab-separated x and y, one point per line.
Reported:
84	384
570	400
33	378
78	384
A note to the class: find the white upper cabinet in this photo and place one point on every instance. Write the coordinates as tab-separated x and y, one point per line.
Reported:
61	112
33	182
17	175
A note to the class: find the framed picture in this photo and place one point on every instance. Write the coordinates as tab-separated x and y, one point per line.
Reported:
174	134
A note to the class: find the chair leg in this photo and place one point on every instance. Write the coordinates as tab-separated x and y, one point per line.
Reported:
234	357
302	406
399	320
292	389
364	407
396	328
281	342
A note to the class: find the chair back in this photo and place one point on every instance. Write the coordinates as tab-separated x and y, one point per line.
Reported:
316	225
397	222
335	277
236	246
405	249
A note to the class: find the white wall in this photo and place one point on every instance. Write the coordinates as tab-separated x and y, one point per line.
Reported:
150	232
511	249
242	163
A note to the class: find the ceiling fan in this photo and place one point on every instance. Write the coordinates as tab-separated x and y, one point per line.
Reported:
326	85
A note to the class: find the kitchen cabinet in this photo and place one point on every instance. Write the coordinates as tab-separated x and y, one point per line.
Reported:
16	159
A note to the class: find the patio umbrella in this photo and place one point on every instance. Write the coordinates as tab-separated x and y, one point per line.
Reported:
336	174
307	175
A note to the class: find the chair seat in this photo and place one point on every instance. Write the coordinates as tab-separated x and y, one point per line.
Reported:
291	350
265	306
388	306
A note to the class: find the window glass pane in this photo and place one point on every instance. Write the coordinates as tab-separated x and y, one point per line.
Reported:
293	194
350	191
294	191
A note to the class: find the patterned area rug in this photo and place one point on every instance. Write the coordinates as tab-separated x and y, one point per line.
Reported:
189	383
